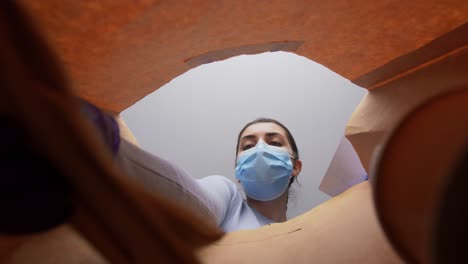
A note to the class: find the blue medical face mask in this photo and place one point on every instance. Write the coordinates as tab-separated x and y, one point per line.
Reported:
264	171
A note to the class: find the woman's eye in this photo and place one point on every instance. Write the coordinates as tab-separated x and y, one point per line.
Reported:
246	147
274	143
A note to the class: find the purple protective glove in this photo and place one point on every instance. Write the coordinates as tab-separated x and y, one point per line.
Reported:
104	123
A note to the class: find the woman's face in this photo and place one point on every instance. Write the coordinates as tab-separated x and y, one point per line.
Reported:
271	133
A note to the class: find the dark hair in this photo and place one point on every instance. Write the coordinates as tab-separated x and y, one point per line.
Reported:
289	137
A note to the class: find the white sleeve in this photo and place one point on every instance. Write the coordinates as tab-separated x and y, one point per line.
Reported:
221	192
208	197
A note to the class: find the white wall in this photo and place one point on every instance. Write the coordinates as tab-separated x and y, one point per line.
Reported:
194	120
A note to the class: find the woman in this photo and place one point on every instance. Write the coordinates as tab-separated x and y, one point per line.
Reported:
267	163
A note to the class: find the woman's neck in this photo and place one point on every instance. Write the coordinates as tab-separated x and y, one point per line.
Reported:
274	210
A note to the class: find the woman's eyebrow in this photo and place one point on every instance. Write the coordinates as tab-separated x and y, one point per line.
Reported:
272	134
268	134
248	137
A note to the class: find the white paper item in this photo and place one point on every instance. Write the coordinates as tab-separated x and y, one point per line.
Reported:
345	170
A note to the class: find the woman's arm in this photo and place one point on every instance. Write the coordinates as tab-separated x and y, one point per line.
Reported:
208	198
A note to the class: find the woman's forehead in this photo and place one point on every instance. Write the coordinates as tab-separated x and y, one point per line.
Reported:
259	129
